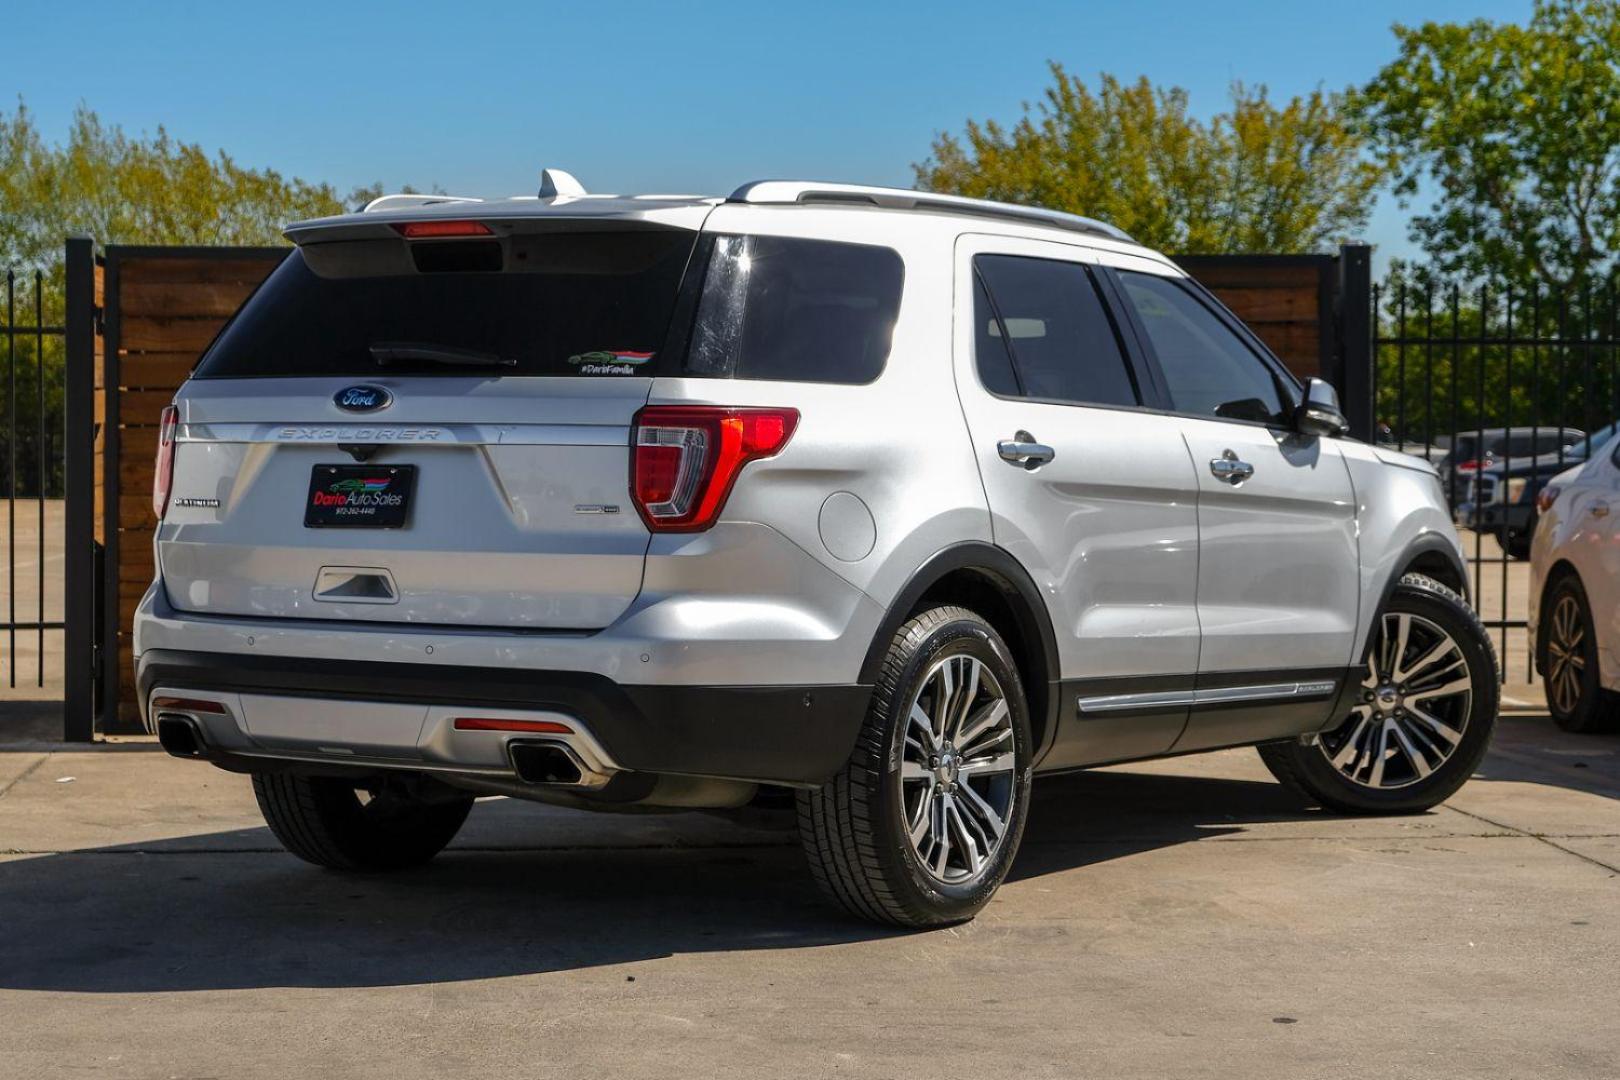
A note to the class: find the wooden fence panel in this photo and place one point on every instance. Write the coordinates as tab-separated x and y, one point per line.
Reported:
163	307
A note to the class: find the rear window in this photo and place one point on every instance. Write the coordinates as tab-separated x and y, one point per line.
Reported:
589	303
795	310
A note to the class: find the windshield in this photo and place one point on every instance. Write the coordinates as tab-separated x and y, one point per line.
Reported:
576	303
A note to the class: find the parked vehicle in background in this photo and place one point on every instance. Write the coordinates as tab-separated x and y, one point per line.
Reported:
1501	499
1575	576
1467	452
891	499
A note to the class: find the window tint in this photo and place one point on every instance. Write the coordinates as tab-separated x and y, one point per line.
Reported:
570	303
1048	315
796	310
1207	367
990	347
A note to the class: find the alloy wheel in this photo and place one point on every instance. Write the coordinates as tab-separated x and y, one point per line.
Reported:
1566	654
1413	707
958	769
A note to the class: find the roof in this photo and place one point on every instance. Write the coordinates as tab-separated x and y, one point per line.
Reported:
563	197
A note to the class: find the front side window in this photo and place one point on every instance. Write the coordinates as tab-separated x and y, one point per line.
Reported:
796	310
1040	326
1208	369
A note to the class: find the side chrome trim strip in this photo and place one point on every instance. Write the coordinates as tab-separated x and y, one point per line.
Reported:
1224	695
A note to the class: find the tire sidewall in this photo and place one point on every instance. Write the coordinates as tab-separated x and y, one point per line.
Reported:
970	636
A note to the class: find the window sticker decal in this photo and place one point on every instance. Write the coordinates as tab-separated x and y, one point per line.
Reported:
610	361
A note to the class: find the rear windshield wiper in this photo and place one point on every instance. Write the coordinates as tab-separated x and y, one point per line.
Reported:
390	352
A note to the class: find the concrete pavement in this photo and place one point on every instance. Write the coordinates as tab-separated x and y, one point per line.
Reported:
1181	919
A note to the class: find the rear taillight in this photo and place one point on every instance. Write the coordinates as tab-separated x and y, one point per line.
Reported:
1468	466
163	473
1547	496
684	459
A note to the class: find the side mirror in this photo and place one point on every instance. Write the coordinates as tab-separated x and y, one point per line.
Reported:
1319	412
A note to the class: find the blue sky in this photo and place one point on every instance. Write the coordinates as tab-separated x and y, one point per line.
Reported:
652	97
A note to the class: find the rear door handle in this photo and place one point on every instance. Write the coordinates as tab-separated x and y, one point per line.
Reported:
1600	509
1229	469
1022	449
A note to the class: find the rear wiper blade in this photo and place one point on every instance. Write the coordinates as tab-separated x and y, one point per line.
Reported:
389	352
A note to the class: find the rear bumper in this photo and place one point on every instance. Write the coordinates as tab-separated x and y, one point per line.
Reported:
797	735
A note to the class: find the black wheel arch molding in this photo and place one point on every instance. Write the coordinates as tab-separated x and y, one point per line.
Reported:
998	569
1432	555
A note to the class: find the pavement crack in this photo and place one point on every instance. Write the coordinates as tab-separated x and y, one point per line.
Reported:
25	774
1541	837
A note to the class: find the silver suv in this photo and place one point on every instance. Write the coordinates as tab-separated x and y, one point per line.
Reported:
890	499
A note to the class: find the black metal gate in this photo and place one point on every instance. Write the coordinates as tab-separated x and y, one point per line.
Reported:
1501	388
31	470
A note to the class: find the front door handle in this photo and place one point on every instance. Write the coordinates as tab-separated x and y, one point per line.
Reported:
1022	449
1229	469
1600	509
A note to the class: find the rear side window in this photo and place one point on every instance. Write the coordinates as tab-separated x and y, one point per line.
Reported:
795	310
587	303
1040	326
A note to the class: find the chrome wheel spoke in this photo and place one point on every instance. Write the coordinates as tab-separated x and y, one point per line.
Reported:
984	720
1420	667
983	811
1417	696
958	782
1444	730
1458	686
1419	763
1001	763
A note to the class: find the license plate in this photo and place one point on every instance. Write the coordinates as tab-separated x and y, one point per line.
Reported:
359	496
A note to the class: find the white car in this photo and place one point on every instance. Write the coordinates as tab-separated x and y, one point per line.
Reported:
892	499
1575	570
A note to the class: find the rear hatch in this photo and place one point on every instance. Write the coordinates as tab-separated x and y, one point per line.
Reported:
431	431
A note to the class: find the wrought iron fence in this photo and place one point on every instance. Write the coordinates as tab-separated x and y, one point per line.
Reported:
1501	389
31	448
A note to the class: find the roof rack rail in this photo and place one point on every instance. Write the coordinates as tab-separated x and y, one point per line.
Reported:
808	191
403	202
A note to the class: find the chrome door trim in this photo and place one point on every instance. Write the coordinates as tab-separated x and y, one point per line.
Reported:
1224	695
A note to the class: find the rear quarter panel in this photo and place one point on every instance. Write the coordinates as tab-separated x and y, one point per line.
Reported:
877	477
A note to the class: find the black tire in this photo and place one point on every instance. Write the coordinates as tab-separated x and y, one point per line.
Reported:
1516	542
854	828
1571	677
323	820
1307	767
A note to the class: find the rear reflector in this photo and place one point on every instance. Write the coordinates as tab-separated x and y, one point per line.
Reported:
185	704
685	459
163	469
427	230
487	723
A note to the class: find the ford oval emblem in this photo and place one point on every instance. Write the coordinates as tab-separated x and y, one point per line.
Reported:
362	398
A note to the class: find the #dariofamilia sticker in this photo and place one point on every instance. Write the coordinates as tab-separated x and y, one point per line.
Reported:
610	361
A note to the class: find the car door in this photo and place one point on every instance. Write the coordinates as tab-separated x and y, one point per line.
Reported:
1278	567
1093	494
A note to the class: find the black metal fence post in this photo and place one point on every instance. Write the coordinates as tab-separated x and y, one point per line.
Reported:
79	586
1356	339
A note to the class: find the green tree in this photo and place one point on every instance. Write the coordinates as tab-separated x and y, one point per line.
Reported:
122	189
1517	130
1260	177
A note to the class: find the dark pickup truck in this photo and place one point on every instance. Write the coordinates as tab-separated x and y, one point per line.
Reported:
1500	499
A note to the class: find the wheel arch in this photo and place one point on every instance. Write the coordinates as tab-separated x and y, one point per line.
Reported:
989	581
1431	556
